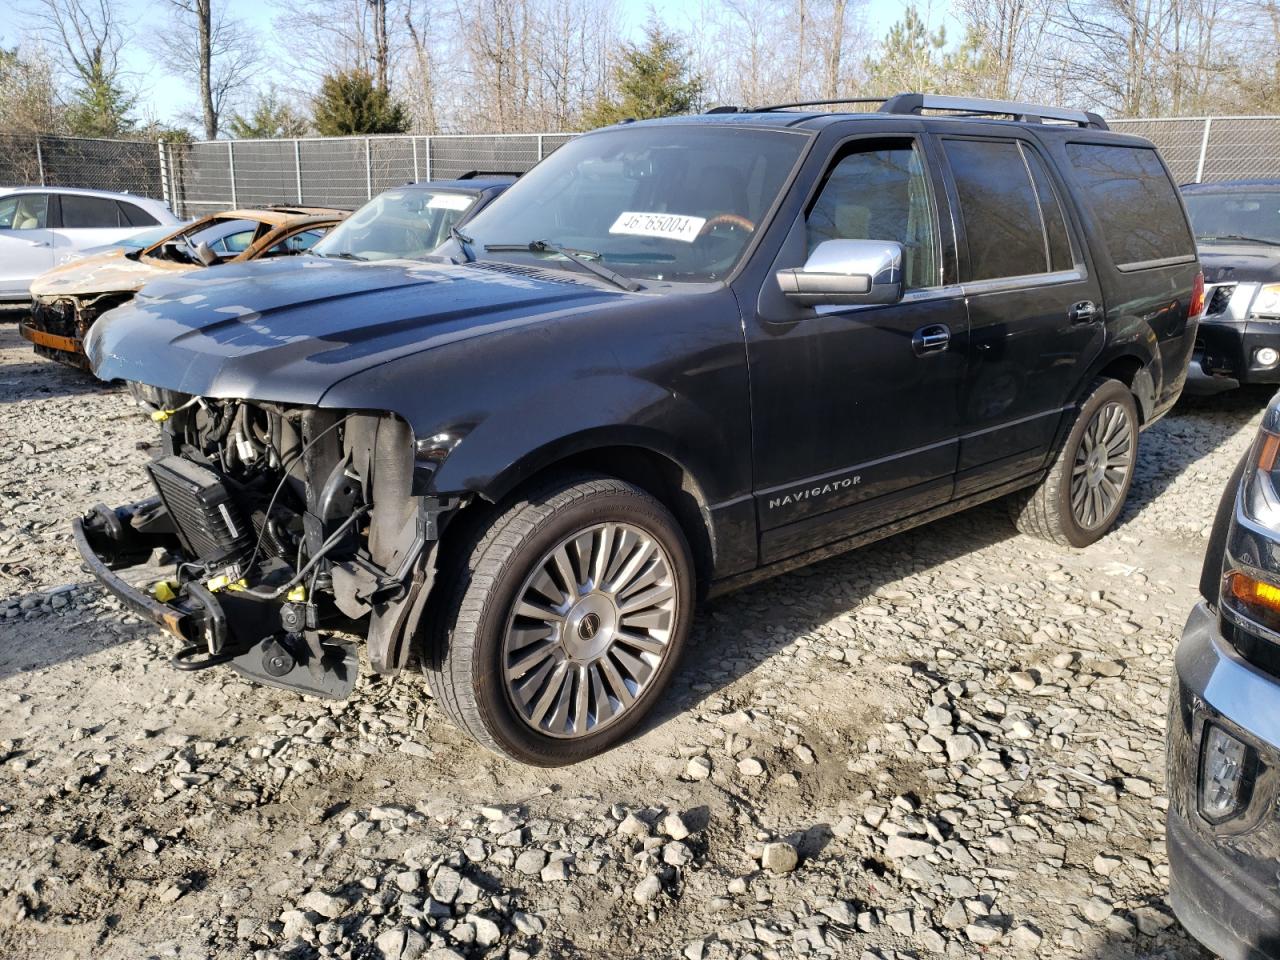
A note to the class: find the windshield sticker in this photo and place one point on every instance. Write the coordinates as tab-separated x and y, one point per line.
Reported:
449	201
671	226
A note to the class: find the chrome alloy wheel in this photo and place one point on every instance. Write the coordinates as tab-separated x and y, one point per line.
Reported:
1103	462
590	629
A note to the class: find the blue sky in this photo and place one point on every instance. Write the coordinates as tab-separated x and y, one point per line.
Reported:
165	98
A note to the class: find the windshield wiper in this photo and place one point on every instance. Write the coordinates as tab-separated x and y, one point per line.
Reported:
1241	237
463	241
581	257
344	255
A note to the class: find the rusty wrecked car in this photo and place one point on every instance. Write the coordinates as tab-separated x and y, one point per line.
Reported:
69	298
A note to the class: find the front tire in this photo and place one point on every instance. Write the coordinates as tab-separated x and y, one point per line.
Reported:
1082	495
564	618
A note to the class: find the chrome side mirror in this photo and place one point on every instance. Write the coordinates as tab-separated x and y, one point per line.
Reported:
846	272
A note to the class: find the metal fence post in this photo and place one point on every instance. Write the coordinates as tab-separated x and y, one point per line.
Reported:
368	170
1204	148
231	167
297	167
428	158
540	153
413	142
164	177
40	161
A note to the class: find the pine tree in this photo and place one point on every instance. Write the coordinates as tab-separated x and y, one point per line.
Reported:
271	117
100	107
351	103
653	79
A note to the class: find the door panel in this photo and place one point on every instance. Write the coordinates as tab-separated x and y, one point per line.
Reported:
1024	277
26	243
851	428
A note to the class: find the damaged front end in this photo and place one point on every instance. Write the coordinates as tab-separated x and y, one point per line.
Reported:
277	535
57	324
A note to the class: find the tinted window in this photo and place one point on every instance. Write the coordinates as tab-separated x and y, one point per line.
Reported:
1000	208
89	212
24	211
1055	223
135	216
1133	201
879	194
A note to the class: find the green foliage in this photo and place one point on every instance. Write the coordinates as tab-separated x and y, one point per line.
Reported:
652	79
910	57
350	103
100	107
270	117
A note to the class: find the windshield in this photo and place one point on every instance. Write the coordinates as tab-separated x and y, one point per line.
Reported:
408	222
663	202
1233	214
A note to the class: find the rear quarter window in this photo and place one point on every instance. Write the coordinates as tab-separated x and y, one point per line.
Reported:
1134	202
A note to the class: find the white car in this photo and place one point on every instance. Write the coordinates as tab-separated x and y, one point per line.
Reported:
40	227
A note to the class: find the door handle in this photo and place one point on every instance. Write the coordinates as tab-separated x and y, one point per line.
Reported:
37	243
934	338
1083	312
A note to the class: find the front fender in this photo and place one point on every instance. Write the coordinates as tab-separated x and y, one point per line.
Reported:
513	443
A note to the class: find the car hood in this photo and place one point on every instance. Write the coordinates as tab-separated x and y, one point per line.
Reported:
1239	262
110	272
288	330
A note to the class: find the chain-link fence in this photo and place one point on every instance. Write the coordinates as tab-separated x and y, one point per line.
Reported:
199	178
127	166
1213	148
336	171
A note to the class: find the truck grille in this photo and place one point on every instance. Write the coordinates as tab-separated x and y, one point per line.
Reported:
1220	299
206	518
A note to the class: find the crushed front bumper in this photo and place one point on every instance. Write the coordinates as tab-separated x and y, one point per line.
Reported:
1224	879
54	331
108	544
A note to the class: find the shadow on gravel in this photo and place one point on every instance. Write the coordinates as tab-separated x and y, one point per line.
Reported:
32	377
48	639
1193	430
717	656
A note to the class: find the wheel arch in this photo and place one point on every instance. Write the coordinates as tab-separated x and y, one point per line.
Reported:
640	459
1134	371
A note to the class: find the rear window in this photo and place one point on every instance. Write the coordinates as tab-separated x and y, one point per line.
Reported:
135	216
89	213
1134	202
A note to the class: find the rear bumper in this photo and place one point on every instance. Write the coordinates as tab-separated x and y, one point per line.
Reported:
1223	879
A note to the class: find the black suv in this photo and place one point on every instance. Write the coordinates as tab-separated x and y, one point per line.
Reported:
674	358
1237	227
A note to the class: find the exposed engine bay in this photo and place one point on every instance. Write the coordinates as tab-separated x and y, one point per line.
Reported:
283	533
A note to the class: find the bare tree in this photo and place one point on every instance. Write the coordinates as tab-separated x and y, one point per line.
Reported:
87	37
219	50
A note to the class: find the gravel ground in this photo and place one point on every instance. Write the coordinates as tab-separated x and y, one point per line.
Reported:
949	743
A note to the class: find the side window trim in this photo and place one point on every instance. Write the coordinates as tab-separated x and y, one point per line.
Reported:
1035	192
53	211
918	142
1079	270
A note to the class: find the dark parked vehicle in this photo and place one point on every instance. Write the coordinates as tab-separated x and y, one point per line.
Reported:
1224	723
1237	227
412	220
674	358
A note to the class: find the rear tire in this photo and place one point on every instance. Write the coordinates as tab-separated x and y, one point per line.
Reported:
1082	495
563	619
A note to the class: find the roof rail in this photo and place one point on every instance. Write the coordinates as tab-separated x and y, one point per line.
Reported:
915	103
1027	112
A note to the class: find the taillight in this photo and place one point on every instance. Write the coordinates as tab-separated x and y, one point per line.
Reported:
1197	296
